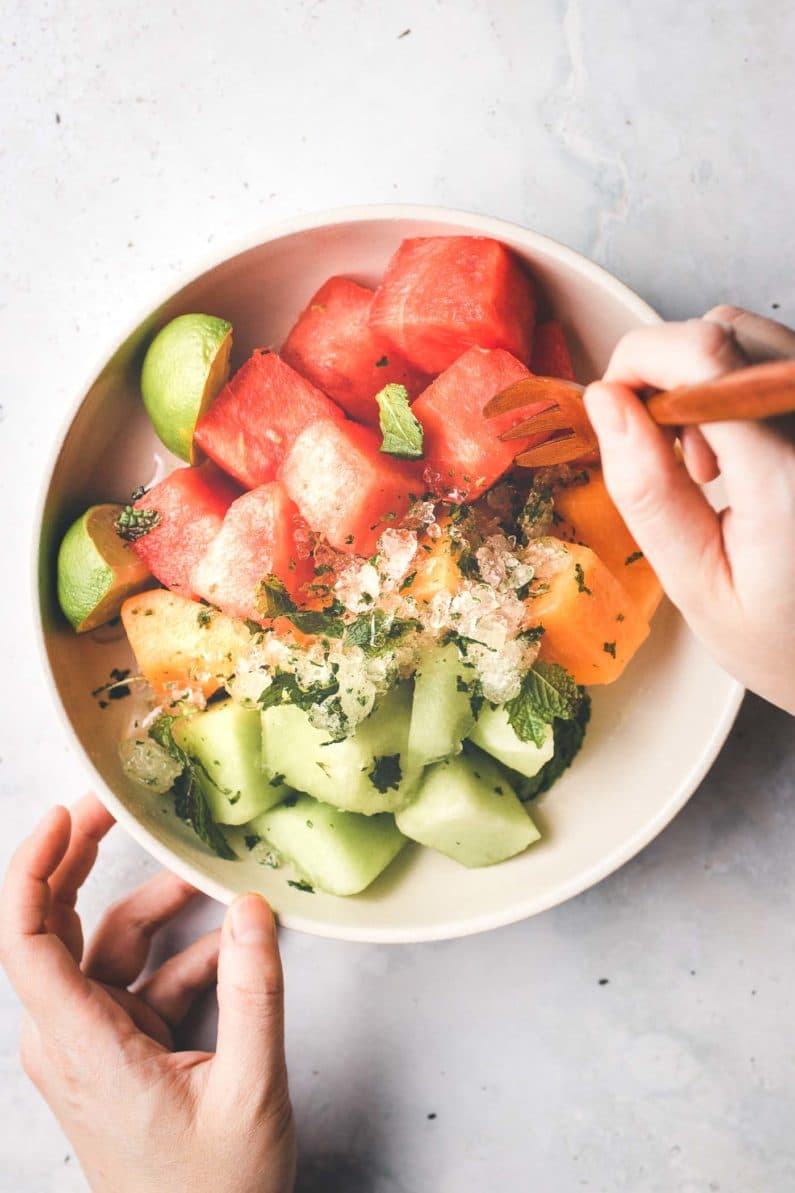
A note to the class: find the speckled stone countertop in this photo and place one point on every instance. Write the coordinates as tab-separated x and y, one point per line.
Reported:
641	1037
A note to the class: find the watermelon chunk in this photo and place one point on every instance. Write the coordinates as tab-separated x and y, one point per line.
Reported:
345	487
463	451
551	352
262	534
191	503
441	295
250	426
332	345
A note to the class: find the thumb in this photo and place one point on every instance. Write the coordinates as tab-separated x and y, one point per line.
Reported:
666	512
249	1068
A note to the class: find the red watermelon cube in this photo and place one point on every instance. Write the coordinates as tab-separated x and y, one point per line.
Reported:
463	451
551	352
346	488
441	295
332	345
263	534
192	503
252	423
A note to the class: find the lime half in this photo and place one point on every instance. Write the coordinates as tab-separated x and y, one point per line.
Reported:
185	366
96	569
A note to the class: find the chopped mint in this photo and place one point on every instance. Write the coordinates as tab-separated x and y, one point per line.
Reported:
402	433
132	524
301	885
633	558
610	648
190	803
579	576
473	689
272	598
376	631
386	772
284	688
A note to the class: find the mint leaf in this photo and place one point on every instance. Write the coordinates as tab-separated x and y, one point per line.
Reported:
272	598
285	689
386	772
320	621
568	738
376	631
525	721
190	802
547	692
402	433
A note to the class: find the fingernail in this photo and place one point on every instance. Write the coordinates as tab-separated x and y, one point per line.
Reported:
605	410
251	920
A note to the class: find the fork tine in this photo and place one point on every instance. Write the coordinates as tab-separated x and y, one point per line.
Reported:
528	391
539	424
560	450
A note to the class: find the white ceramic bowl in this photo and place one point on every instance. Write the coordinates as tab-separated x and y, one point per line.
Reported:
653	734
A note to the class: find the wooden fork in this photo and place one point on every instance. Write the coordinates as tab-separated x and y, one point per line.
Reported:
760	391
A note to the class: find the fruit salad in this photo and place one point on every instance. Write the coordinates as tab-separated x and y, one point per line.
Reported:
358	622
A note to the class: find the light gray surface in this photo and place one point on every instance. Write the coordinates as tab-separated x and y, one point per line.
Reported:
138	138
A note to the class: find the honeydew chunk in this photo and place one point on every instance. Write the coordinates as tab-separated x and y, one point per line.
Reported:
466	808
367	772
493	733
441	714
337	852
225	742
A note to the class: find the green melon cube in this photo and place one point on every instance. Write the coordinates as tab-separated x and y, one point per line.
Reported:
466	808
494	734
225	743
338	852
367	772
441	713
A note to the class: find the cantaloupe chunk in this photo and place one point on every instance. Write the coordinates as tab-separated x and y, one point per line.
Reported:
435	566
592	627
590	517
180	644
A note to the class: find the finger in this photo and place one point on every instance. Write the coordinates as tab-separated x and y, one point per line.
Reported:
672	354
144	1017
120	946
757	463
175	986
664	509
90	823
249	1064
40	967
760	339
700	460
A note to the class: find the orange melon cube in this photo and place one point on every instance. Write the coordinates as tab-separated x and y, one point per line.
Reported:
591	625
590	517
436	568
181	645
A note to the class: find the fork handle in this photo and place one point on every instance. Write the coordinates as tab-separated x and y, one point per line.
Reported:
758	391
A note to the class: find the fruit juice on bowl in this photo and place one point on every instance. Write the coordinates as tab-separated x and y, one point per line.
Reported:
363	634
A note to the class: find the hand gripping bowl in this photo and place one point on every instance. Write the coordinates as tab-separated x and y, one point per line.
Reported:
632	776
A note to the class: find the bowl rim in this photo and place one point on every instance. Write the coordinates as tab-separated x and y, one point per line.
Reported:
518	910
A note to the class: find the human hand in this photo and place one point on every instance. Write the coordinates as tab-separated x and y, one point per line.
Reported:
142	1117
731	574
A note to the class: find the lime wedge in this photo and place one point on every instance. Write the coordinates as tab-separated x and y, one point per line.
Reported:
96	569
185	366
